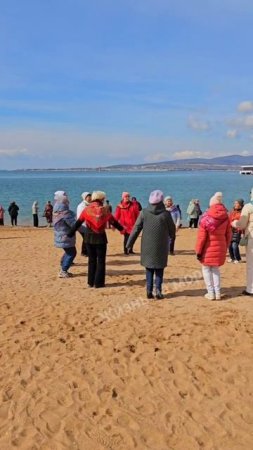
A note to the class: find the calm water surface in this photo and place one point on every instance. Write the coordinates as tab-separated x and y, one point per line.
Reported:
26	187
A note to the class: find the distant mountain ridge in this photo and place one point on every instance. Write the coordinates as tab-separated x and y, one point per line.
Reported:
231	160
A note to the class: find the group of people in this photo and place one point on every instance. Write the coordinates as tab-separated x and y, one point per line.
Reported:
13	212
14	209
159	222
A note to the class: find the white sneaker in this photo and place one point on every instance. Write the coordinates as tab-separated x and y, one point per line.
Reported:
64	274
229	260
210	296
236	262
217	296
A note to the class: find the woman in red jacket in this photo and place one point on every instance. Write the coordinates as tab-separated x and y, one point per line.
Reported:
126	213
212	242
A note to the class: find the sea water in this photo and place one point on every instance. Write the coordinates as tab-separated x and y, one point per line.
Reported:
26	187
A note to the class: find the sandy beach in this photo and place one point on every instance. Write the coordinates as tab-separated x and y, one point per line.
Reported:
94	369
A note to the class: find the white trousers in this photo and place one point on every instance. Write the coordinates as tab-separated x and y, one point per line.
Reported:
211	275
249	261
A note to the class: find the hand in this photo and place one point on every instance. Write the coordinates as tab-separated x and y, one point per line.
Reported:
199	256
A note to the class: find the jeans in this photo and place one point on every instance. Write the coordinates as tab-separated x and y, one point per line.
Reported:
68	258
211	275
96	264
234	251
158	279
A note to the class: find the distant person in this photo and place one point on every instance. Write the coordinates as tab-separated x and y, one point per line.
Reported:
245	223
35	213
181	215
86	199
194	212
157	226
175	214
126	213
109	207
234	250
95	216
48	213
134	199
213	239
13	211
2	211
63	220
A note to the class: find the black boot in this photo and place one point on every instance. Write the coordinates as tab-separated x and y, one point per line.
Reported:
149	295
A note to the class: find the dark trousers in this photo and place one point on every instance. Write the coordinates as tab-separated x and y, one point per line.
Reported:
172	245
234	251
14	220
193	222
35	220
158	279
130	250
96	264
83	249
1	221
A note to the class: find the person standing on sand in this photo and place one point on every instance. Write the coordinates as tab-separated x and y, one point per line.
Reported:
213	239
126	213
2	211
35	213
86	196
245	223
234	250
96	216
48	213
134	199
194	212
175	214
63	220
109	207
13	211
157	227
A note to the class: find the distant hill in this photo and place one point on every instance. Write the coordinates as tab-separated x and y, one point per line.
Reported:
231	160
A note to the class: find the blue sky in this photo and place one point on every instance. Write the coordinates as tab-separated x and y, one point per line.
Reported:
124	81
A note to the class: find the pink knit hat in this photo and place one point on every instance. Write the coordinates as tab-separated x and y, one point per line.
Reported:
156	197
125	194
216	199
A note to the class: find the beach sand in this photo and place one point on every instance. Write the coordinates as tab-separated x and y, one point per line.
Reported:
105	368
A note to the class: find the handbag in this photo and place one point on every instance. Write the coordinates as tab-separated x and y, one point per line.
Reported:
243	241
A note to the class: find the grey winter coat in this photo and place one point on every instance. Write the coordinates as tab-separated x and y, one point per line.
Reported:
157	226
63	219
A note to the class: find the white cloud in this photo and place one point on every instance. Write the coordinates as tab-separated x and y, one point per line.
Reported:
13	151
198	125
156	157
245	122
232	134
245	153
190	154
246	106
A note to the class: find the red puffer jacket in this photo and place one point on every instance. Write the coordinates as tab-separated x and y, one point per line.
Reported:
214	236
126	214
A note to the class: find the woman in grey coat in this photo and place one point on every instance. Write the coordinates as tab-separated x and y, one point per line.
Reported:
157	226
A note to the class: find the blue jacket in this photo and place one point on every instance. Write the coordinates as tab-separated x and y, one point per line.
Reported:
63	220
